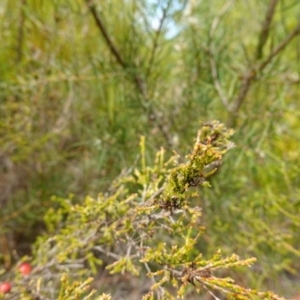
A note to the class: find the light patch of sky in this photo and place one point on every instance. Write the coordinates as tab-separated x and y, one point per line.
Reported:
171	28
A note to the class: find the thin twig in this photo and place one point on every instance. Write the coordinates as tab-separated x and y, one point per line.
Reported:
213	64
105	34
159	291
130	67
217	19
155	195
280	47
211	293
140	84
265	29
106	252
251	72
156	37
248	77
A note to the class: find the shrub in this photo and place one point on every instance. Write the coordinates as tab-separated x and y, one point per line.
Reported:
144	224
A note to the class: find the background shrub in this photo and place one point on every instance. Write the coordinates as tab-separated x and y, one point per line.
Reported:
76	94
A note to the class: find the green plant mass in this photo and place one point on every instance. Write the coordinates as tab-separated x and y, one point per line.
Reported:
152	231
115	183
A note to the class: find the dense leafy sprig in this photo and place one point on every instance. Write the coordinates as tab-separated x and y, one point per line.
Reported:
144	223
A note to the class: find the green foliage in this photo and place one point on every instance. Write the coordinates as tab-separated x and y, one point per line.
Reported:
72	111
124	228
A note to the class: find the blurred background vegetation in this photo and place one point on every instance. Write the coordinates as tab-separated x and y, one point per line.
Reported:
81	81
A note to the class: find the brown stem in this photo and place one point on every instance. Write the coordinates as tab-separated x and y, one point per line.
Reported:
265	29
112	47
250	73
138	81
248	77
105	34
280	47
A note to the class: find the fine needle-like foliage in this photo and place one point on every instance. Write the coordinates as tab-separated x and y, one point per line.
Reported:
81	81
145	224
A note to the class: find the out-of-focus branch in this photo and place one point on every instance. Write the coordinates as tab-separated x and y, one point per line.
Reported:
213	64
264	34
280	47
105	34
256	65
217	19
113	49
130	68
156	37
248	77
250	74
